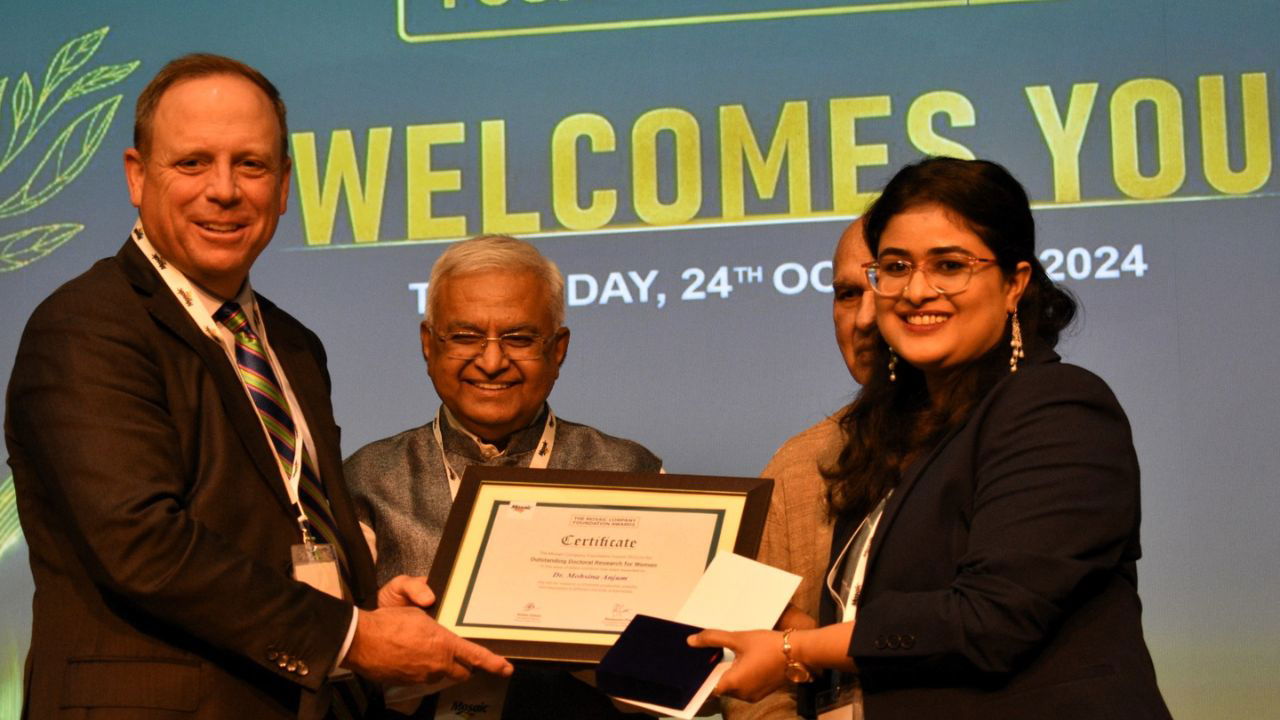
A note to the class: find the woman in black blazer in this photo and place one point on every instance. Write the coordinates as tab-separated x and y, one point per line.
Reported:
986	498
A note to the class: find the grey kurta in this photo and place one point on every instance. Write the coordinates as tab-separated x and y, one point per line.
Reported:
401	491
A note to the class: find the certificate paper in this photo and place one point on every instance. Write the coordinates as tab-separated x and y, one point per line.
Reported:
569	566
553	564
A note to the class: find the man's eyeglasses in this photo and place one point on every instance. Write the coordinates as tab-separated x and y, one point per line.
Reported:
946	274
471	345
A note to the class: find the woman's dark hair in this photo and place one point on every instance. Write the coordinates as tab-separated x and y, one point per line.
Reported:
890	424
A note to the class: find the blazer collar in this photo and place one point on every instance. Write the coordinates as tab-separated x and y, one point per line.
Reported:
1036	353
164	308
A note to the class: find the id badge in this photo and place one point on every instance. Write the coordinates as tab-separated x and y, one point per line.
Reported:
840	703
316	564
482	696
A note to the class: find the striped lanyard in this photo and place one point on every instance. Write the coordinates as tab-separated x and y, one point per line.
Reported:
186	293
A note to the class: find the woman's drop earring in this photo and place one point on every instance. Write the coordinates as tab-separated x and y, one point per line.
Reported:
893	366
1015	343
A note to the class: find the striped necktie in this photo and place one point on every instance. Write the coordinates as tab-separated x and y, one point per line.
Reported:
273	409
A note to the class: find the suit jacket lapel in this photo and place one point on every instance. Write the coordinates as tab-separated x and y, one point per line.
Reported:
845	526
1036	354
303	377
164	307
900	493
310	389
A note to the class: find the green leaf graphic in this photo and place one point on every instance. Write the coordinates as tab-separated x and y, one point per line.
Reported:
99	78
4	83
11	683
70	58
21	102
71	150
24	247
10	528
94	122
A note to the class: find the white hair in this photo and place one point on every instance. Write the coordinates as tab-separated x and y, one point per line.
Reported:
498	252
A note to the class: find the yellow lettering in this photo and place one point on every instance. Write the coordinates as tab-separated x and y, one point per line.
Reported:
1064	139
683	126
790	142
320	201
1256	122
422	182
493	185
1171	162
920	116
564	172
847	155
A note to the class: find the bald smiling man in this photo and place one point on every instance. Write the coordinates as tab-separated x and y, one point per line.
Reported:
797	534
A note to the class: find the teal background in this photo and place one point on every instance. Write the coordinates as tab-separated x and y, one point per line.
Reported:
714	386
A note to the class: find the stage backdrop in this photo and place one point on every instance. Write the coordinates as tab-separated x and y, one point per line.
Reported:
689	166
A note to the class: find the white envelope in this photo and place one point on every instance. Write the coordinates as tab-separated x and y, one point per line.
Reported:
735	593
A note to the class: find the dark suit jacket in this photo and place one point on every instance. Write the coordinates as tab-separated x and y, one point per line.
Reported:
1002	580
158	525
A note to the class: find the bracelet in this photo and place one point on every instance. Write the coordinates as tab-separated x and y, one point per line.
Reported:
795	672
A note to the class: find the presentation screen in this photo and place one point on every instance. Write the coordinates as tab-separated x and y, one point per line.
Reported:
689	166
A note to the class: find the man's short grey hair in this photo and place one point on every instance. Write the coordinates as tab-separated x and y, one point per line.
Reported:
497	252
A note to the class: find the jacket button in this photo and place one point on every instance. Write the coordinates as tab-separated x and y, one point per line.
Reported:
303	669
292	666
284	660
908	641
894	642
879	643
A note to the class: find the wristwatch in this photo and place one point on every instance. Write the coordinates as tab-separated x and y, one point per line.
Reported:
795	672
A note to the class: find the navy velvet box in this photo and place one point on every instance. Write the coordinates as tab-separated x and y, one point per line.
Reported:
652	662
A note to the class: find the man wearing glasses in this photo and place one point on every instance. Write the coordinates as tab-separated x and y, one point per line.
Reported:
493	339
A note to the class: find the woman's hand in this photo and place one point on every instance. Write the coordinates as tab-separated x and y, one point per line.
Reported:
758	668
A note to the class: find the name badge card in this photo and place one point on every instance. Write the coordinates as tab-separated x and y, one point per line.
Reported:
316	564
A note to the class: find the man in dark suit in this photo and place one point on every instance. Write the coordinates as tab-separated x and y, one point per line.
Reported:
174	448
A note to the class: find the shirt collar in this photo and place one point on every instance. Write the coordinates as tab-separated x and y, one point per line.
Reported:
244	299
519	442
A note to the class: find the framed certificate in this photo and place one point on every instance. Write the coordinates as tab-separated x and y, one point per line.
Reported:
553	564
